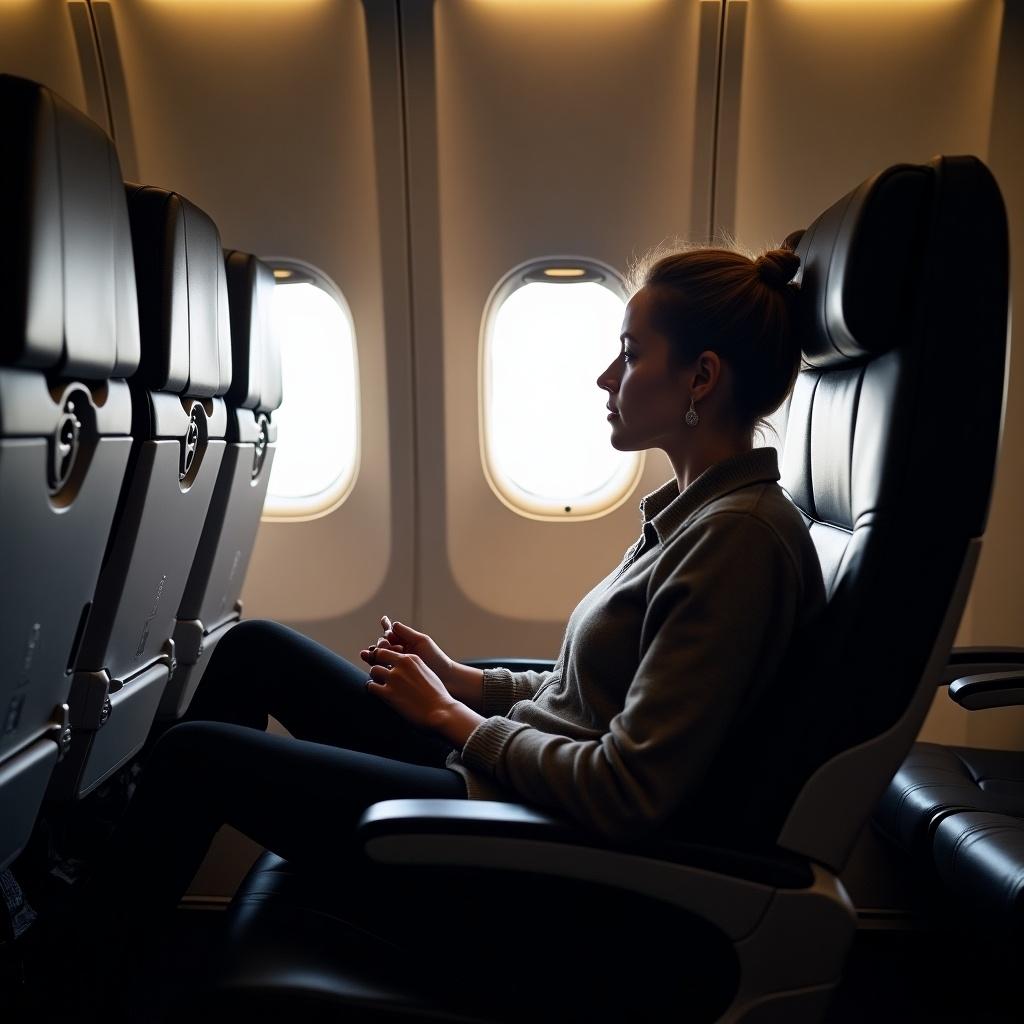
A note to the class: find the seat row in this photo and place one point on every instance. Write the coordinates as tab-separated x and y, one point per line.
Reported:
138	377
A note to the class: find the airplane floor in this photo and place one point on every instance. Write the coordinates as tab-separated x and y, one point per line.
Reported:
894	974
899	975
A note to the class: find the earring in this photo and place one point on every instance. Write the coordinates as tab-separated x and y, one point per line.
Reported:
692	419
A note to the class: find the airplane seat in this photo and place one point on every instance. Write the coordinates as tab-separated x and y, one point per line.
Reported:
894	277
211	604
179	422
69	337
957	813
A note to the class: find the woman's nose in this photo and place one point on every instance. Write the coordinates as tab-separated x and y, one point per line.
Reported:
607	381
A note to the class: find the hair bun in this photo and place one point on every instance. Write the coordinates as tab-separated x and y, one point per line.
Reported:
777	267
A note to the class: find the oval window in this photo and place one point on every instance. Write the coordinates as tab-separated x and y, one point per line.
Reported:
318	423
551	326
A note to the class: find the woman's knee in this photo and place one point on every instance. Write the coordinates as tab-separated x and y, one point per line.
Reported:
185	748
257	642
250	644
252	634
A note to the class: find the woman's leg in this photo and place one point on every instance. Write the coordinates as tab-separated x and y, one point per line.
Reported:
297	798
300	799
262	668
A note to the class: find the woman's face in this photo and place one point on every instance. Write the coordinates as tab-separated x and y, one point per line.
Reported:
647	395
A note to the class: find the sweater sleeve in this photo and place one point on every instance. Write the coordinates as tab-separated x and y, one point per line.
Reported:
714	620
502	688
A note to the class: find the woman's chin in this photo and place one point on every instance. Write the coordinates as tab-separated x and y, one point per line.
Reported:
620	443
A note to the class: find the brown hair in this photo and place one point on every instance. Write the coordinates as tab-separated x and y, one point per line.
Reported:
724	301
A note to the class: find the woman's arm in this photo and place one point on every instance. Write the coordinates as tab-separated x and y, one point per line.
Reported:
715	623
465	684
501	688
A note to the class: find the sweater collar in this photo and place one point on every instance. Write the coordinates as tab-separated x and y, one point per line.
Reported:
666	509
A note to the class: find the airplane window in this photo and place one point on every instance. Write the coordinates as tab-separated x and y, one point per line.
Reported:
550	328
318	422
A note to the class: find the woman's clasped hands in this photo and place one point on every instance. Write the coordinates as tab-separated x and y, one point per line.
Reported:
418	680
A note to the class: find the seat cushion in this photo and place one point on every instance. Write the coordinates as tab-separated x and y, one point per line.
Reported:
980	857
287	947
936	780
452	944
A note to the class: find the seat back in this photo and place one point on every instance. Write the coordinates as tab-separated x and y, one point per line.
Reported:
890	449
68	334
211	604
127	654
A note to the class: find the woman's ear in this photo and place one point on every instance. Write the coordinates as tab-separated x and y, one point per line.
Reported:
707	371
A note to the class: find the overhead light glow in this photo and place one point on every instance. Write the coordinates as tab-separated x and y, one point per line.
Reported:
879	3
564	272
282	275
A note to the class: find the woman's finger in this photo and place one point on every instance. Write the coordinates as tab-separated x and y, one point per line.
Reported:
379	674
389	656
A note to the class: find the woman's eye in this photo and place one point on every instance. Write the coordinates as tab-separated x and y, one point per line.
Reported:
628	356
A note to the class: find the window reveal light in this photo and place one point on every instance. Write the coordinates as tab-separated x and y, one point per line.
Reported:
318	426
546	439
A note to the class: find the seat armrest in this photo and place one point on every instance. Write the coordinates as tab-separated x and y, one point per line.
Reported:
988	690
732	889
518	664
461	817
970	661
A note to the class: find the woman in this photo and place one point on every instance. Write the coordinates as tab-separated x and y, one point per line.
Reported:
656	664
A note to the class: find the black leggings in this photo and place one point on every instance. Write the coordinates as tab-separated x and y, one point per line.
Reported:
299	797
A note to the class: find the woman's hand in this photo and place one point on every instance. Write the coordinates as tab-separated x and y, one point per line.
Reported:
413	689
464	683
405	640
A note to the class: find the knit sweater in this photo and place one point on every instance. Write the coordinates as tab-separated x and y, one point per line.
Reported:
657	659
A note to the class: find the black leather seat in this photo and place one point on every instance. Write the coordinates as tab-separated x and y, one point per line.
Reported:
958	812
980	856
69	335
894	276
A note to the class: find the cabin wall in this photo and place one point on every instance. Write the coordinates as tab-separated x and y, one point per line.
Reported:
517	151
273	135
414	152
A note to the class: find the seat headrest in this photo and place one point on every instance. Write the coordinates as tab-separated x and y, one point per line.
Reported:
183	299
255	350
67	283
857	268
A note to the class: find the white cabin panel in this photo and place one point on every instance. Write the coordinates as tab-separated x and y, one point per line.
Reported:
834	91
52	43
261	113
560	129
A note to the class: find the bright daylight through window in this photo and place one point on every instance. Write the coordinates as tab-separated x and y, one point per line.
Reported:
318	422
549	331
